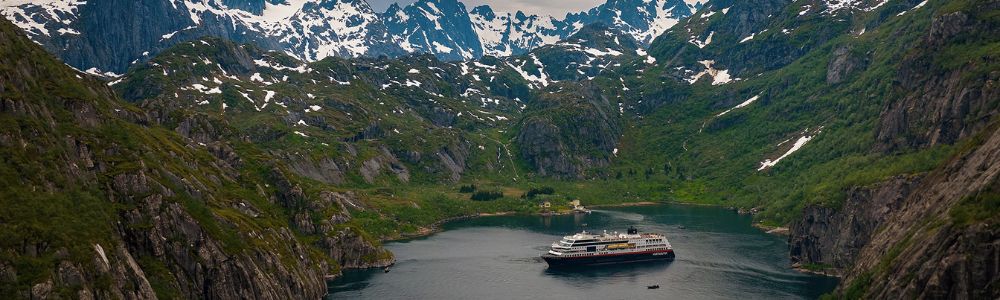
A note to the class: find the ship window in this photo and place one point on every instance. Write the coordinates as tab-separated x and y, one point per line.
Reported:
591	248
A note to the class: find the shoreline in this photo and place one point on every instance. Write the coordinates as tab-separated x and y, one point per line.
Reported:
435	227
775	230
629	204
425	231
831	272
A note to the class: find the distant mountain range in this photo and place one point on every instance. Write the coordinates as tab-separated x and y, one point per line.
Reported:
106	37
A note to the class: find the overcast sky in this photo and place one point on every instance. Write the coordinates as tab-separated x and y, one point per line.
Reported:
557	8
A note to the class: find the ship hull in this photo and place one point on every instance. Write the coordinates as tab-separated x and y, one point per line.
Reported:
560	261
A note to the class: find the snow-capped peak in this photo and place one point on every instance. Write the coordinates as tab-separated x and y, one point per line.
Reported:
42	17
505	33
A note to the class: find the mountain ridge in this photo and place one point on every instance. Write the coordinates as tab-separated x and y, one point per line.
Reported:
106	41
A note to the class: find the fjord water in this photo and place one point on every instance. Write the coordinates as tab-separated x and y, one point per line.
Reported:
719	256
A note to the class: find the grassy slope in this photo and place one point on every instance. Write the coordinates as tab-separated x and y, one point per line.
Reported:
55	208
722	153
719	165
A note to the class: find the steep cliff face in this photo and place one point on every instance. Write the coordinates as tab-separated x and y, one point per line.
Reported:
943	239
834	237
947	96
569	132
931	236
101	202
934	234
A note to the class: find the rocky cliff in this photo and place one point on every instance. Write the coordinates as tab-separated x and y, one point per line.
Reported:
933	234
833	238
102	203
568	133
947	97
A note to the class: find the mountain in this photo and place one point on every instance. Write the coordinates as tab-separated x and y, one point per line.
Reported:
439	27
390	120
644	20
446	29
104	203
337	121
867	126
107	37
506	34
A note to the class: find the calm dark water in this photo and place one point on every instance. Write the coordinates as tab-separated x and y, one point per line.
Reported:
719	256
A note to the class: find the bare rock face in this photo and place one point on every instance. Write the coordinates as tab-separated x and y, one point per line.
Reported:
207	266
344	245
843	64
453	159
926	236
542	148
941	106
577	132
834	237
351	250
944	252
385	162
954	263
901	237
325	169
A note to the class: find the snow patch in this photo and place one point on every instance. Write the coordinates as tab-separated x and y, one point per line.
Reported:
741	105
767	163
718	76
919	5
541	79
702	44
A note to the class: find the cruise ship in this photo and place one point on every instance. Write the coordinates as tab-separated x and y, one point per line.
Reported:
589	249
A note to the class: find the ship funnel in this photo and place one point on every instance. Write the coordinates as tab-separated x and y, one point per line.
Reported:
632	230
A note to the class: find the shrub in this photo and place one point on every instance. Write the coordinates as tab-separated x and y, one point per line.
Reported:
465	189
486	195
539	191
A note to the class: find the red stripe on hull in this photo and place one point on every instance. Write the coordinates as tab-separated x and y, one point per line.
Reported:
613	254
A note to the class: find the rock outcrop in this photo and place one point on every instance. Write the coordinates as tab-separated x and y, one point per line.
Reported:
932	235
100	202
941	104
569	133
843	64
835	236
908	236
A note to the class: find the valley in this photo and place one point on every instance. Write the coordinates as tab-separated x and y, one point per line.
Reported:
232	152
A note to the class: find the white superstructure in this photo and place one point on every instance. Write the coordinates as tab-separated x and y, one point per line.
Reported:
614	243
